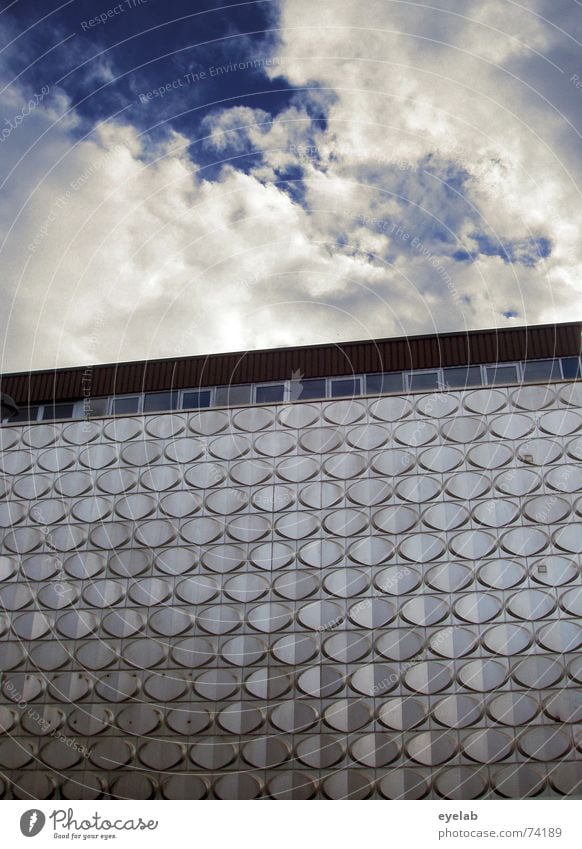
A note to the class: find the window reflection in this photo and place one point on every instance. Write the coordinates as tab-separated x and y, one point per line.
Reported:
271	393
459	377
125	404
57	411
542	370
310	388
25	414
232	396
196	399
381	383
346	388
501	374
423	380
571	367
158	401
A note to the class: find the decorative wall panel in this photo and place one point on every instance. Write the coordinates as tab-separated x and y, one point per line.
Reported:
372	599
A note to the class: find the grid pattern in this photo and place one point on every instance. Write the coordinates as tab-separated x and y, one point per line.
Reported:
367	598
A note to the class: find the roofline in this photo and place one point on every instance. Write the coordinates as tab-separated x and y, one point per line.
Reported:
332	359
318	346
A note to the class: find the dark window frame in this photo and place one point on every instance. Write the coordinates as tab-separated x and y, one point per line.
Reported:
411	376
129	397
383	381
56	409
448	370
498	367
571	369
554	365
197	392
337	381
233	389
265	387
172	394
309	389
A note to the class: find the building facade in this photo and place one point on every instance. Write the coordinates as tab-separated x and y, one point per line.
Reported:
336	572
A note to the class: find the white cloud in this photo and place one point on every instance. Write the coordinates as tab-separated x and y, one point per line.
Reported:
403	92
143	257
117	256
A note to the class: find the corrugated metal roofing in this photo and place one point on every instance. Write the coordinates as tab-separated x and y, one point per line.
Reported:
329	360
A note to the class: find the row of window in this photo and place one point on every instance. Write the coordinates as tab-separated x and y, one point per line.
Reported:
457	377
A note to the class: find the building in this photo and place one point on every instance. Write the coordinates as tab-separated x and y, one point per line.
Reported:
332	571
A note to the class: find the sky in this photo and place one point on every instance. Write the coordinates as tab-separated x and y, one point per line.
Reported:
189	176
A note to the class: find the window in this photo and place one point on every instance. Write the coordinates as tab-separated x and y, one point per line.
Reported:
571	367
232	396
462	376
196	399
91	407
271	393
542	370
423	380
310	388
346	387
25	414
57	411
377	384
125	404
154	402
502	374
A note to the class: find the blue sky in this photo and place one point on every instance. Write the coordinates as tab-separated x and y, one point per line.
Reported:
103	65
181	178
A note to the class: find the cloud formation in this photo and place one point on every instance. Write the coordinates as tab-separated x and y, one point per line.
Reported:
423	176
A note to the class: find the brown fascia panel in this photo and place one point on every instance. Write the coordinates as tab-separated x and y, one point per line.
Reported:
327	360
